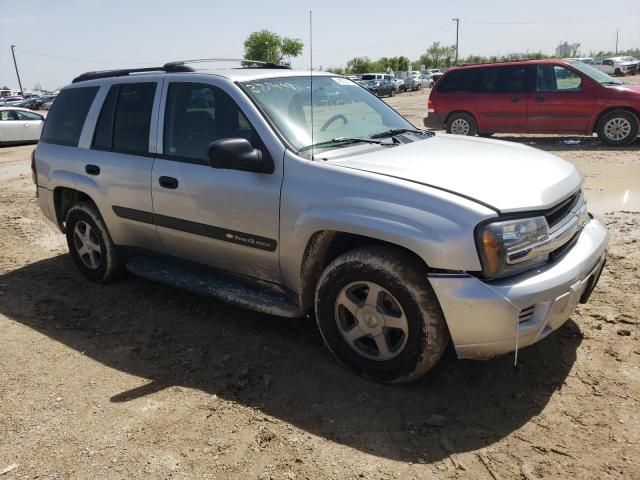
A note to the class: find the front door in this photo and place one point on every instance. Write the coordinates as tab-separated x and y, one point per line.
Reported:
219	217
501	99
31	125
561	102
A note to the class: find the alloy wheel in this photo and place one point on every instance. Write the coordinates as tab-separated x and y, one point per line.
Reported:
460	127
371	320
617	129
87	244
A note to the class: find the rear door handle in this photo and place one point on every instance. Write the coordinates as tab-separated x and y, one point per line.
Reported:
168	182
92	169
540	99
515	99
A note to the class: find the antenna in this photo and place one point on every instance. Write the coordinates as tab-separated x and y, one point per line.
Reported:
311	75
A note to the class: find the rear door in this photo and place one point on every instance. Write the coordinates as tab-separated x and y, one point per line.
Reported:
120	160
562	100
501	99
31	125
219	217
10	126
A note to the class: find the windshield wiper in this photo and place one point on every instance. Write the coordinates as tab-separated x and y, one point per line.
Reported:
343	141
397	131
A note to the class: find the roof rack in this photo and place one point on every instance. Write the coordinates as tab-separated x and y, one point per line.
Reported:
174	67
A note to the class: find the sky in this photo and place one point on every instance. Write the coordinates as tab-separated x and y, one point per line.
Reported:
59	39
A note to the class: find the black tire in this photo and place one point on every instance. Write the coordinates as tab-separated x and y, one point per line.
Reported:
485	135
109	265
419	87
617	72
626	120
393	93
397	273
453	122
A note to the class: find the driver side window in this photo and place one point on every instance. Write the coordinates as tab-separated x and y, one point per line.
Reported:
197	115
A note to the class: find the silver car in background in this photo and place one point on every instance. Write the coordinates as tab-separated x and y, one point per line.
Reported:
247	186
19	125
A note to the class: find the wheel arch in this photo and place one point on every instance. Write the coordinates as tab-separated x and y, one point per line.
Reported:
66	197
453	112
324	246
608	110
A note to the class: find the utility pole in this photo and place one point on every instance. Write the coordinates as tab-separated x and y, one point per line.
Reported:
617	31
16	65
457	20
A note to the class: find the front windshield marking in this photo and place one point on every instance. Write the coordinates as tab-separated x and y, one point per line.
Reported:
597	75
341	109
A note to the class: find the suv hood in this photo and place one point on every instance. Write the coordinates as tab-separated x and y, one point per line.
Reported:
506	176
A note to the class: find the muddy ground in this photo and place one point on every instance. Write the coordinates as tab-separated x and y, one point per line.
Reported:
138	380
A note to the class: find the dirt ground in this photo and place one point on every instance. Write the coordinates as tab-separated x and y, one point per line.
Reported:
138	380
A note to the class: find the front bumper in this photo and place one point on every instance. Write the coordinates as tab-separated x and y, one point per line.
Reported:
487	318
434	121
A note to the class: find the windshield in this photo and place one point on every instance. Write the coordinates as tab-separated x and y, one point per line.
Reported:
341	108
594	73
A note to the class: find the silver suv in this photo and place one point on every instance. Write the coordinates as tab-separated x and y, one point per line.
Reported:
247	185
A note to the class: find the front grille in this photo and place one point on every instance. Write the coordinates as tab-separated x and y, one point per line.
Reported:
526	314
556	213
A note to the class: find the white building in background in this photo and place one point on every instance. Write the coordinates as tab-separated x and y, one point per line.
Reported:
563	50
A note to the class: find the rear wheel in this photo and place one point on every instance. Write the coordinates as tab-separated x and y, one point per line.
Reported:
392	93
419	87
91	246
378	314
617	73
618	128
462	124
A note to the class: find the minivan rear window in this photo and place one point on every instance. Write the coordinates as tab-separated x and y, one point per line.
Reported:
67	115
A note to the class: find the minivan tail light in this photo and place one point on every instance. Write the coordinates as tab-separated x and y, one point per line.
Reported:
430	107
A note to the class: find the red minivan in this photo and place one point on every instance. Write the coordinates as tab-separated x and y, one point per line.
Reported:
535	96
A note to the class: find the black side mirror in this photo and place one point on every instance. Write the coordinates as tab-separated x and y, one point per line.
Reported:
239	154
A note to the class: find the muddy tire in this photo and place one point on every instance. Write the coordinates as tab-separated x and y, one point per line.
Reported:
618	128
90	244
378	314
462	123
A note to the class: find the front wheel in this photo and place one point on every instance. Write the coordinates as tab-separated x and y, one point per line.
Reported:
378	314
618	128
392	93
462	124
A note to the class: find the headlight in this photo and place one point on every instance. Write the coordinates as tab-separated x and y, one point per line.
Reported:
506	247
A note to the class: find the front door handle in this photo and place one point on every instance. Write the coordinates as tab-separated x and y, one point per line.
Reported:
515	99
168	182
92	169
540	99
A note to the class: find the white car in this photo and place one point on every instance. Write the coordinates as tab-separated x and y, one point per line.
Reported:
19	125
619	65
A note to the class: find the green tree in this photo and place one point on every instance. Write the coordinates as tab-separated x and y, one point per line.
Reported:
267	46
360	65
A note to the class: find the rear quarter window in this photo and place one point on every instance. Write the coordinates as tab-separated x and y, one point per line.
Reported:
64	123
457	81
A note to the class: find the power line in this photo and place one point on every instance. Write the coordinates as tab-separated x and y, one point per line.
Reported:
547	22
389	43
103	62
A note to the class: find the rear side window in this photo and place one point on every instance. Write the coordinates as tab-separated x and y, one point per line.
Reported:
67	115
457	81
125	119
511	79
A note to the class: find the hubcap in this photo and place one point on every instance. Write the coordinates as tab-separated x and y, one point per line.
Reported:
460	127
87	244
371	320
617	129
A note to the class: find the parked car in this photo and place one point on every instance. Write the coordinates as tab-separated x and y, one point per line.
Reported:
384	77
35	103
12	100
538	96
392	235
420	81
619	65
47	105
435	73
587	60
380	88
18	125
